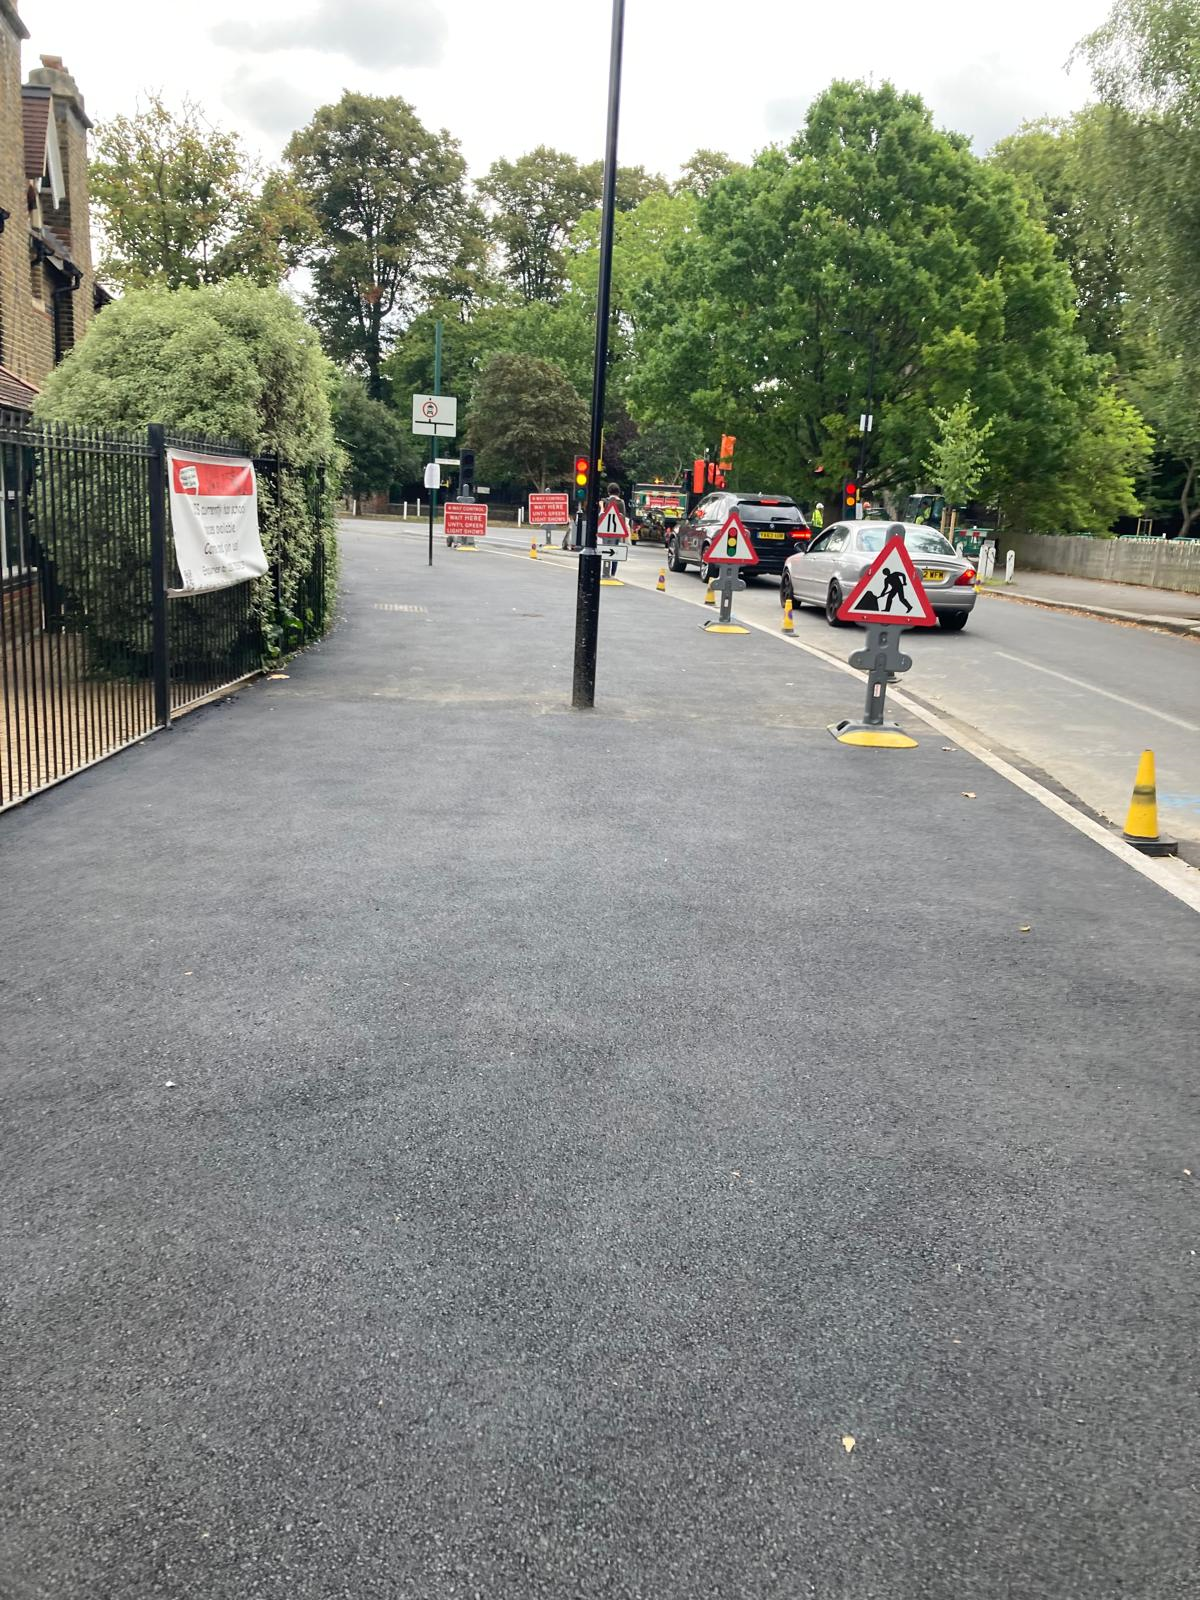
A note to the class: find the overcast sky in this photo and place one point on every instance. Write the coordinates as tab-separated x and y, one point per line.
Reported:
733	75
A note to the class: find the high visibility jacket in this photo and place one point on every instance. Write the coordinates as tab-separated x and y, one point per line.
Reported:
818	519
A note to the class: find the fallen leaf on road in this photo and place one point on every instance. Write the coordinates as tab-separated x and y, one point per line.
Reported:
968	794
169	1084
1026	929
278	674
848	1442
951	749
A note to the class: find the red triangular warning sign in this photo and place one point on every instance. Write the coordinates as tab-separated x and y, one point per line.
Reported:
731	546
889	591
612	524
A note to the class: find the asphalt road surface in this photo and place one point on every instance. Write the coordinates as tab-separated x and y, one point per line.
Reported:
1073	698
463	1149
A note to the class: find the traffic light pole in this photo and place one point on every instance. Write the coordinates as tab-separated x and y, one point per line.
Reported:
587	603
870	421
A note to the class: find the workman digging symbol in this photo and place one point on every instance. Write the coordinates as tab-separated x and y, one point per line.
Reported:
895	587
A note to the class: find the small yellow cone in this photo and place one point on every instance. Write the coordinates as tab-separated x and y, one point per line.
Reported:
788	625
710	596
1141	825
661	585
533	550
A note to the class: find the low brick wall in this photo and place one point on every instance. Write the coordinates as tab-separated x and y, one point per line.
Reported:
21	603
1155	563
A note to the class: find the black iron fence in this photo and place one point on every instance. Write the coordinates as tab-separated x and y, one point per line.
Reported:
95	650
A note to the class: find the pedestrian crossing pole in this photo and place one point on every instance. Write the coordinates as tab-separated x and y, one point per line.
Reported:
587	603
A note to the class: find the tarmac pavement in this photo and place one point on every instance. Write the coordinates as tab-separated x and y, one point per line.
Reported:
459	1147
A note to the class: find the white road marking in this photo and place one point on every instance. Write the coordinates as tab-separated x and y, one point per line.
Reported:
1081	683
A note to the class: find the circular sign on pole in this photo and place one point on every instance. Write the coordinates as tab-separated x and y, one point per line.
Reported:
430	409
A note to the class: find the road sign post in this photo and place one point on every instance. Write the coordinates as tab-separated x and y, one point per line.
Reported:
886	599
547	511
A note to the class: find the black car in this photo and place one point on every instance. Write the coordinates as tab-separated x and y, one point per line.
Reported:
774	523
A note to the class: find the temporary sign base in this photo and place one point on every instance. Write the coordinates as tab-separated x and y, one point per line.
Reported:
881	736
612	583
723	627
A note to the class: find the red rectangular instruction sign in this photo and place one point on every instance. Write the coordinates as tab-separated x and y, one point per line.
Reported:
463	520
545	509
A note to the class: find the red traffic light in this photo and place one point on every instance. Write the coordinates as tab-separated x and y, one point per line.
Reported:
728	441
581	471
697	477
851	494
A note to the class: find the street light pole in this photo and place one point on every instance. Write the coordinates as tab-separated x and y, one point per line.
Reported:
587	603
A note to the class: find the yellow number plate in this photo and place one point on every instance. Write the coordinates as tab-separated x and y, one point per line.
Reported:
769	533
933	575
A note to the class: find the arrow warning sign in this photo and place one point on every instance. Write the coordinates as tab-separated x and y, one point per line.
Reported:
612	524
889	591
731	545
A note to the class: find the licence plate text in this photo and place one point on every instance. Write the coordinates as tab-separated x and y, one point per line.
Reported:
933	575
769	533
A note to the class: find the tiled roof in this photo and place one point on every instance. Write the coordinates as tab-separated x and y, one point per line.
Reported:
35	115
56	245
14	394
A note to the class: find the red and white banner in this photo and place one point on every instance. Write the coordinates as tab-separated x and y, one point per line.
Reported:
214	517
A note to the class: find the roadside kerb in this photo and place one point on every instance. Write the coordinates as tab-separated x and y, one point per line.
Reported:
1189	630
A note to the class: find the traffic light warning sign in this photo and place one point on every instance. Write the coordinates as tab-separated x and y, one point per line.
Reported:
731	546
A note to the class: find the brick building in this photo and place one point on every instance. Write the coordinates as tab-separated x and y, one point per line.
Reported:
48	291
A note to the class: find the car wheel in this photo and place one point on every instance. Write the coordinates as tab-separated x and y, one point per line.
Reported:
953	621
787	593
833	604
706	572
673	561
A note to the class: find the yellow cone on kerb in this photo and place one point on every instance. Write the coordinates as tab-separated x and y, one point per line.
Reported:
788	625
661	585
533	550
1142	821
710	597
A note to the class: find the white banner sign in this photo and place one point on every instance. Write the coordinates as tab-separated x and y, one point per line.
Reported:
214	517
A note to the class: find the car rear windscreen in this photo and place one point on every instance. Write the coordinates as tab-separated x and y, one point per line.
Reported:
752	511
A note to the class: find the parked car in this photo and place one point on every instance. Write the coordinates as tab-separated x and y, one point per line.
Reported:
774	522
833	563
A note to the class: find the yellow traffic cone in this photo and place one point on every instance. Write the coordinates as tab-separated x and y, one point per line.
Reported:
533	549
710	595
788	625
1141	825
661	585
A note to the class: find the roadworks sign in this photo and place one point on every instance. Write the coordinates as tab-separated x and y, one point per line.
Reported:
731	546
612	524
889	591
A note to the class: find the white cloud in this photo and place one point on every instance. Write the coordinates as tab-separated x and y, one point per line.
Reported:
277	106
371	33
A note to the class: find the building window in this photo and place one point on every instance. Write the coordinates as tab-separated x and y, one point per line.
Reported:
14	546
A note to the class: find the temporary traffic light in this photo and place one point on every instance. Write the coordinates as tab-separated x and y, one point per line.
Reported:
582	474
728	440
466	472
697	477
851	497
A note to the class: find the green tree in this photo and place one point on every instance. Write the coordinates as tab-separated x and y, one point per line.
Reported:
957	460
535	203
702	170
1099	480
378	448
1065	169
177	202
388	198
1145	62
873	229
527	420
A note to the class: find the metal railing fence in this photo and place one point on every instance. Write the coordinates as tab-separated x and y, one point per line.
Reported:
95	651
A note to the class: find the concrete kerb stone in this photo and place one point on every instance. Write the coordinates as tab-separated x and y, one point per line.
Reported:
1188	630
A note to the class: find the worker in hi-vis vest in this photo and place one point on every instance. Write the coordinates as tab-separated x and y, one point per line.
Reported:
818	517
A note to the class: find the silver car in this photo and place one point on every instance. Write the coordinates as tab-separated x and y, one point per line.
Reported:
825	573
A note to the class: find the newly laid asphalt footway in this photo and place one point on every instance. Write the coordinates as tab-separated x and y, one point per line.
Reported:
458	1147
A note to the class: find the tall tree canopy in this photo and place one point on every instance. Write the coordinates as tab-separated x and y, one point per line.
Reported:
535	202
178	203
389	203
872	232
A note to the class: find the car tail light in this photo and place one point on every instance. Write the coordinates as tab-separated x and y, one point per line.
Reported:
966	580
